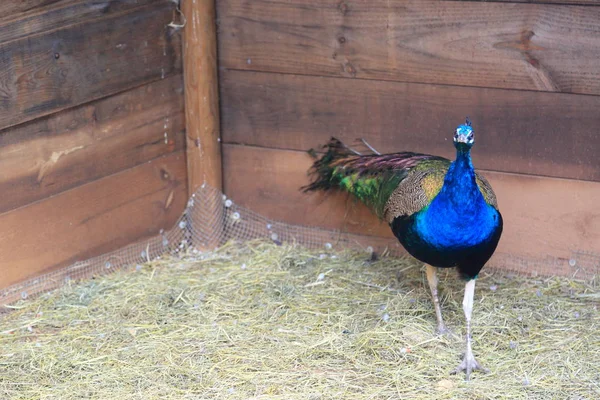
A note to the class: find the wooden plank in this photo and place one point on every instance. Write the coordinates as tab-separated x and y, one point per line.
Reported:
201	95
545	218
55	153
551	134
553	2
92	219
518	46
92	59
37	17
8	8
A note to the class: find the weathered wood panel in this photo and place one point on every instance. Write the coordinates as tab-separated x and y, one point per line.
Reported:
92	219
543	217
9	8
64	150
553	2
94	58
38	17
551	134
517	46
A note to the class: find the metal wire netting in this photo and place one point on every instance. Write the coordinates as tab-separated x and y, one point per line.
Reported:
211	219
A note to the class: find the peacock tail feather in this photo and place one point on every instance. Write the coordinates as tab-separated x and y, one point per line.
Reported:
389	184
372	179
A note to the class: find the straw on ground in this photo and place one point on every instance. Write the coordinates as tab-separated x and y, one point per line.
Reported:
280	322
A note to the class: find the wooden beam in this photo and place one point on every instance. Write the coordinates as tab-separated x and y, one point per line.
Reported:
52	154
539	133
201	94
92	219
545	219
514	46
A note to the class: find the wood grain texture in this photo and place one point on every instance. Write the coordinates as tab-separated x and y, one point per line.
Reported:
544	218
79	63
201	95
92	219
10	8
203	136
50	15
517	46
553	2
550	134
55	153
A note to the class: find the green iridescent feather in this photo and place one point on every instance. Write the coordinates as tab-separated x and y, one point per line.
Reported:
369	178
372	190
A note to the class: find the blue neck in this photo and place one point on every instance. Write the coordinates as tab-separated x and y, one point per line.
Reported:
460	186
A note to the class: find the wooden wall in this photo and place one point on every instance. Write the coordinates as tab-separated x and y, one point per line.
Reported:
92	141
403	74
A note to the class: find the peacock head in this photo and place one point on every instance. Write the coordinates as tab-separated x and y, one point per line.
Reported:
464	136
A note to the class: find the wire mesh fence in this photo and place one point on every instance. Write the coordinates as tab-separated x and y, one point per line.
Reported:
211	219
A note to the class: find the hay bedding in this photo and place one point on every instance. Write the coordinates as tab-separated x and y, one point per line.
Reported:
280	322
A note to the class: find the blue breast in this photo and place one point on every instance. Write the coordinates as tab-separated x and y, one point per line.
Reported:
446	225
458	217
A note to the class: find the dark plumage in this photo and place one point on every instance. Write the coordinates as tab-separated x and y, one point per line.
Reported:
444	213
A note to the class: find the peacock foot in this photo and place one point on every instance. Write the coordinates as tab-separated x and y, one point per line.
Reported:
468	365
442	330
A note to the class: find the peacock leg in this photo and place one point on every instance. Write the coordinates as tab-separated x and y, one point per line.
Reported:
469	363
433	285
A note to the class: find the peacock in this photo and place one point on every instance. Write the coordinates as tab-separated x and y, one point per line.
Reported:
444	213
